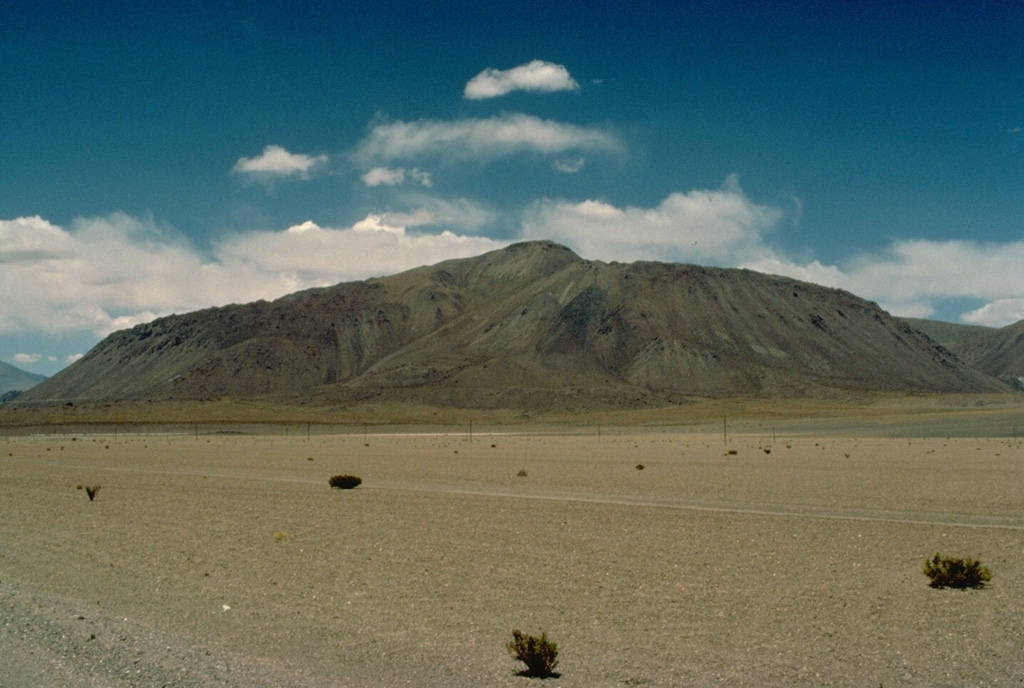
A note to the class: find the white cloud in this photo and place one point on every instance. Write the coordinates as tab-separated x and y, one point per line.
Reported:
911	276
568	166
307	226
997	313
387	176
275	161
384	176
720	226
376	223
536	76
420	177
101	273
105	274
72	358
325	256
480	139
424	211
27	359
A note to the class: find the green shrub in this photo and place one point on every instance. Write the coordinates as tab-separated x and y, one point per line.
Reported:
953	572
539	654
344	482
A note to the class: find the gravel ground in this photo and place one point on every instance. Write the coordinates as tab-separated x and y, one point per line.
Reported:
228	561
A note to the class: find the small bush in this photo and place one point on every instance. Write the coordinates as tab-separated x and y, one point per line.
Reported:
953	572
639	466
539	654
91	491
344	482
522	473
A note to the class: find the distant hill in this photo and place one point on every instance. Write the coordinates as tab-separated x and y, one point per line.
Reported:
946	333
17	380
999	353
531	326
995	351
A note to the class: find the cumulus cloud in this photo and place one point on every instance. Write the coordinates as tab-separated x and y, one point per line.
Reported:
27	359
720	226
319	256
387	176
98	274
536	76
997	313
480	139
911	276
277	162
104	274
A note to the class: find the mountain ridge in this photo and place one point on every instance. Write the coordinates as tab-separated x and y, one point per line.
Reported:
529	326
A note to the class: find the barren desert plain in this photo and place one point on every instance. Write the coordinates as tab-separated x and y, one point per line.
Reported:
755	547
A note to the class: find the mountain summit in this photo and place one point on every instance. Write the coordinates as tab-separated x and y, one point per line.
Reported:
529	326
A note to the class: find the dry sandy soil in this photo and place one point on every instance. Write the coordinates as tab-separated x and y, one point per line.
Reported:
227	560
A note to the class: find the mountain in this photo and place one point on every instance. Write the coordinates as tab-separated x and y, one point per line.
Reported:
945	333
17	380
531	326
998	352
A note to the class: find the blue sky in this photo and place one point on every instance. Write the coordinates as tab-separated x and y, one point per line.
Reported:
163	157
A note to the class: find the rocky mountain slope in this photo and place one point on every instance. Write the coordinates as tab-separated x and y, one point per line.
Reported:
529	326
946	333
998	352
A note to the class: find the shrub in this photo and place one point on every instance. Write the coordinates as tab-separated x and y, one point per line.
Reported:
521	473
953	572
539	654
91	491
344	482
